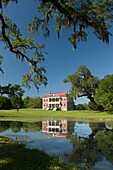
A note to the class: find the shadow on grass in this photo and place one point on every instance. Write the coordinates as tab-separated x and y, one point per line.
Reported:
14	156
110	112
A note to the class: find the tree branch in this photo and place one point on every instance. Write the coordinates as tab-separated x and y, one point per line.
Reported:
11	48
61	9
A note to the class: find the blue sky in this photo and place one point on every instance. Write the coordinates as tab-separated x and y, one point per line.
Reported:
60	60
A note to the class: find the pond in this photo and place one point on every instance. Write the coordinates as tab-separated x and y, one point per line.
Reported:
78	143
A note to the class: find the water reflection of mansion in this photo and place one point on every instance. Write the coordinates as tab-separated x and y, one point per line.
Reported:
57	101
55	128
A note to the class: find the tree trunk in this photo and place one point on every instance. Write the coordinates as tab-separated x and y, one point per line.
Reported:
97	107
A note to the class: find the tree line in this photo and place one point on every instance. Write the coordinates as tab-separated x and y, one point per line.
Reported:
11	98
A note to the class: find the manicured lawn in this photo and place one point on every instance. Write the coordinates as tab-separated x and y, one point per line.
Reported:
35	115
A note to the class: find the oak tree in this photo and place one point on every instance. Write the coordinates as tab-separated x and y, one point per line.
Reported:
83	83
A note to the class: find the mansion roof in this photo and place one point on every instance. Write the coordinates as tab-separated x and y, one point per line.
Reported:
57	94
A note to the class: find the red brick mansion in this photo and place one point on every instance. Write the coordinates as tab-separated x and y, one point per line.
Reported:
57	101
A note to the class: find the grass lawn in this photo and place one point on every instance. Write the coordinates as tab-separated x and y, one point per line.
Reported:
35	115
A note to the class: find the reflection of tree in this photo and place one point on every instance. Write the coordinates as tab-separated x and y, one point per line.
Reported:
97	126
4	125
104	135
16	126
32	126
87	151
105	142
109	125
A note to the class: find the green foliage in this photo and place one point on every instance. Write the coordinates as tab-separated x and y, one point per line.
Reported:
26	101
89	150
33	102
104	93
105	141
92	106
32	127
38	79
77	16
14	93
12	90
4	125
5	103
83	83
17	102
20	46
84	155
80	107
99	92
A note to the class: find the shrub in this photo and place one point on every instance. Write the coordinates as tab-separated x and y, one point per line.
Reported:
80	107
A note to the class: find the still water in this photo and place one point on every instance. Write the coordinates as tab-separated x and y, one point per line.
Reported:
88	144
